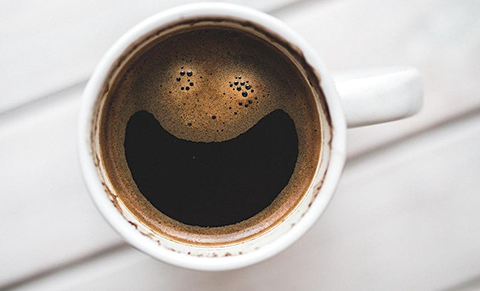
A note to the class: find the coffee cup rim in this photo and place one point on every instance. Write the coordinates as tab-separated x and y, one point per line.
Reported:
94	183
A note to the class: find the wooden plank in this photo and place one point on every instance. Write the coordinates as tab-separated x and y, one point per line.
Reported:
47	216
47	46
438	37
404	218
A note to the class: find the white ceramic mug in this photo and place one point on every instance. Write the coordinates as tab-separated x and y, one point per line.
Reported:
357	99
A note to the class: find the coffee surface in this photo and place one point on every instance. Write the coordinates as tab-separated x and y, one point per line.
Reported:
211	131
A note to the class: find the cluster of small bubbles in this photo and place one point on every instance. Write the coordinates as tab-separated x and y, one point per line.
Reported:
245	88
239	84
189	83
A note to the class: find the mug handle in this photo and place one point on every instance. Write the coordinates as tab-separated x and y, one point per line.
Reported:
379	95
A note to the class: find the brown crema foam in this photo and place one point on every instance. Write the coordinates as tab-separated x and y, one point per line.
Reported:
208	82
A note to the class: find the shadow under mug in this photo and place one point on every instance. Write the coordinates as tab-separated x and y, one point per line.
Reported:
352	99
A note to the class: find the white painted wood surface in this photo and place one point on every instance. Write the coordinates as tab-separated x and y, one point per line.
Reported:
401	220
404	216
47	216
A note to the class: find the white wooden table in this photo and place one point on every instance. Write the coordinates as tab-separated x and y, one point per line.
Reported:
406	215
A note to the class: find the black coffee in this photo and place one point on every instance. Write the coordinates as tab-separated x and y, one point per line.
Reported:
211	184
209	132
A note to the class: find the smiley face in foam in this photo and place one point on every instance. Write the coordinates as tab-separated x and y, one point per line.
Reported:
213	131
